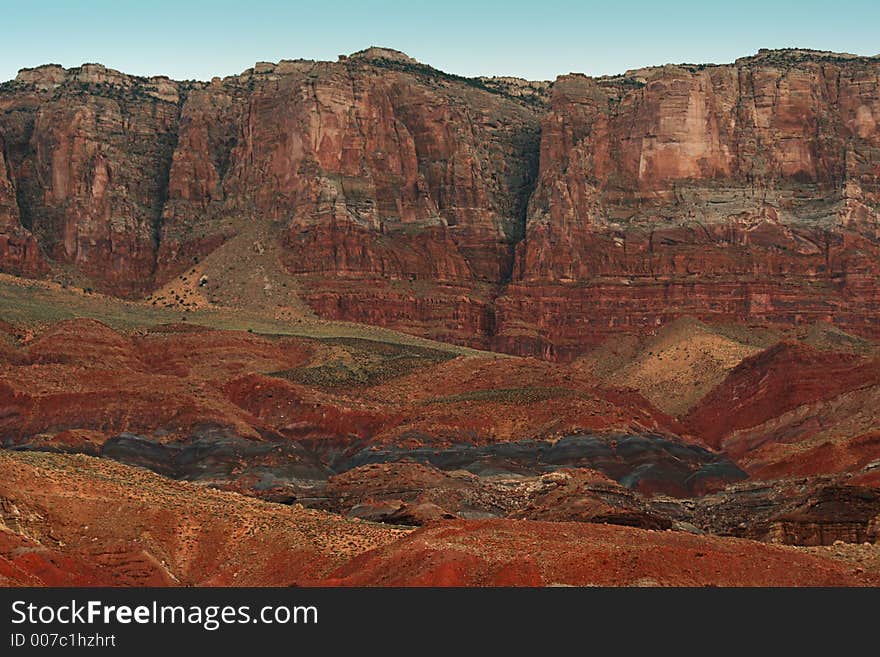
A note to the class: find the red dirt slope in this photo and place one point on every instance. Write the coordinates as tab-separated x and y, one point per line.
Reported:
776	380
526	553
77	520
793	410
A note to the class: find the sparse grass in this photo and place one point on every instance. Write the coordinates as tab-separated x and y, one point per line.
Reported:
488	85
526	395
31	303
365	363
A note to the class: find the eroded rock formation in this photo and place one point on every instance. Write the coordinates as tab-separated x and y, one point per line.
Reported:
746	192
532	218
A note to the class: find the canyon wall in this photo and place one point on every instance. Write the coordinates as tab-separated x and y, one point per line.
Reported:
746	192
533	218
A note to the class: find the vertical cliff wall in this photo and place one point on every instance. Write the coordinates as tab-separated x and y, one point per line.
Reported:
747	192
526	217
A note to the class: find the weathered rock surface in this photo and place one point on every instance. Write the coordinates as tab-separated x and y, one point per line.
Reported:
412	493
373	168
581	495
19	251
794	410
88	151
532	218
811	511
740	192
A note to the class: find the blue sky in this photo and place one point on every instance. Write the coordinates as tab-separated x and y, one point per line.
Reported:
537	39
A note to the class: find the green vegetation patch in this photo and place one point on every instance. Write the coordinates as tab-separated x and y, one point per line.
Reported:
28	303
527	395
359	362
425	71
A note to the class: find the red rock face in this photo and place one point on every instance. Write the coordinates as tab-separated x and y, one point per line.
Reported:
464	209
19	252
89	150
775	381
742	192
364	170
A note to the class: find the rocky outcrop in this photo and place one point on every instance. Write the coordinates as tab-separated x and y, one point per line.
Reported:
89	149
847	514
406	493
375	167
578	495
411	493
807	511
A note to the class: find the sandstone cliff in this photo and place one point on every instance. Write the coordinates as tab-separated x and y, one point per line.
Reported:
533	218
741	192
19	249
